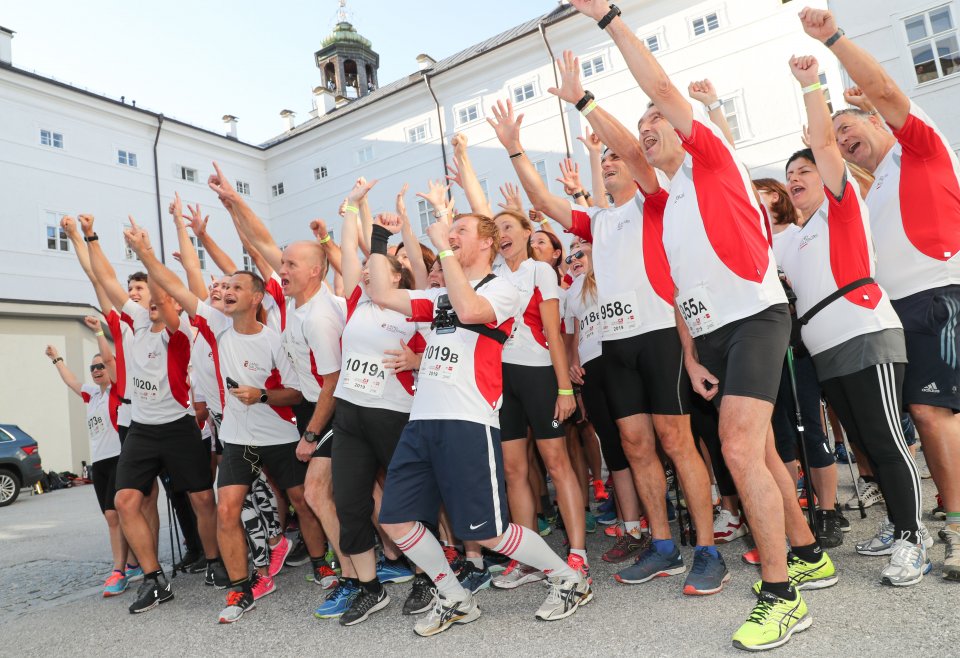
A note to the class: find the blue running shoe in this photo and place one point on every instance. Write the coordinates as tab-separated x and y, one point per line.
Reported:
591	522
134	574
607	518
651	564
543	526
607	506
708	575
843	456
389	571
116	584
339	600
474	579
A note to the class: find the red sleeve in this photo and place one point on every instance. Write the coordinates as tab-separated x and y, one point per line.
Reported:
85	396
353	300
275	290
919	139
417	343
421	310
706	147
581	225
113	325
567	279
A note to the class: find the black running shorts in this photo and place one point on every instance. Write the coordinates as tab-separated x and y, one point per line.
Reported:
104	475
175	447
646	375
242	464
529	400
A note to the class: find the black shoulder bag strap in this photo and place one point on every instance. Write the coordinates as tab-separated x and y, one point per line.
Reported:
483	329
832	297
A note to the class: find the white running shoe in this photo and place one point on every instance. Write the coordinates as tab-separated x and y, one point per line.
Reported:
515	575
727	527
566	595
908	564
883	542
445	613
869	491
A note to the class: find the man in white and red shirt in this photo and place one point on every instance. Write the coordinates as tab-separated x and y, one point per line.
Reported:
914	205
450	451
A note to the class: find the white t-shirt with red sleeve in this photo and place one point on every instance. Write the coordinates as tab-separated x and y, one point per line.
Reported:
205	367
104	440
311	339
715	235
835	248
633	276
275	303
536	282
583	318
158	361
915	210
120	326
256	360
370	331
461	374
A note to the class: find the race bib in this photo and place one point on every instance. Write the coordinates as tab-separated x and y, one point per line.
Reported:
145	390
697	310
364	373
440	363
619	314
589	328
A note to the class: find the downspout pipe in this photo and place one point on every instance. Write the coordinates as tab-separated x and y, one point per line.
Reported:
443	141
556	82
156	184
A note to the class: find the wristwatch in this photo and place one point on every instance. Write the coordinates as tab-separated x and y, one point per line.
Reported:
310	437
583	102
836	37
263	395
606	20
91	238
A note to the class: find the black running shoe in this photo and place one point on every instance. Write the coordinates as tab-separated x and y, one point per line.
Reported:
842	521
187	560
299	555
829	533
151	594
364	604
420	598
197	566
216	575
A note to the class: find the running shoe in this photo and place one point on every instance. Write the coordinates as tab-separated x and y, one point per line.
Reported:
393	571
262	585
883	542
614	530
579	565
216	575
565	597
150	594
626	547
474	579
842	521
869	492
939	512
299	555
237	604
454	558
727	527
607	518
807	575
134	573
843	456
338	601
279	555
951	563
652	564
324	576
445	613
908	564
332	560
198	566
829	533
494	562
599	491
517	574
420	598
188	558
708	574
772	622
115	585
752	557
591	522
543	526
363	605
607	506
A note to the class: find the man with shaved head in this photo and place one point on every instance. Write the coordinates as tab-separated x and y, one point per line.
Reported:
311	338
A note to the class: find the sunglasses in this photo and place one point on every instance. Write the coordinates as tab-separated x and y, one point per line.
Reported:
577	254
97	366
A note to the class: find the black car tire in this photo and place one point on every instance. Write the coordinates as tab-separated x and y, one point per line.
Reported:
9	487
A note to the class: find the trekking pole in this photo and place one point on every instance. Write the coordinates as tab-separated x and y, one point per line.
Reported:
807	479
175	546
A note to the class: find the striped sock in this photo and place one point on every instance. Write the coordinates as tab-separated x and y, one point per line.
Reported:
423	549
526	546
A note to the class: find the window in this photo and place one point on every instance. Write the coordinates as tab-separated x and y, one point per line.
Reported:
483	186
319	172
243	187
247	261
128	253
417	133
57	238
365	154
592	66
277	189
704	24
50	138
653	43
826	91
933	43
188	174
201	253
468	114
541	167
733	120
127	158
424	213
524	92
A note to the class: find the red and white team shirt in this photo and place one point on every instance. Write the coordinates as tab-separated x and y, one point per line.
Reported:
461	374
120	326
101	422
915	210
782	239
275	304
582	317
311	338
536	282
370	331
158	362
715	236
205	367
832	249
256	360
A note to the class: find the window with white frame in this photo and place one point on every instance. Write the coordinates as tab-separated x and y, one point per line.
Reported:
733	117
320	172
57	239
523	92
468	114
653	42
188	174
51	138
201	252
593	66
243	187
483	186
933	42
247	261
707	23
365	154
541	167
277	189
128	253
424	212
826	91
128	158
417	133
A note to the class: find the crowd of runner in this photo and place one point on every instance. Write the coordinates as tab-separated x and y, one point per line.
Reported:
403	409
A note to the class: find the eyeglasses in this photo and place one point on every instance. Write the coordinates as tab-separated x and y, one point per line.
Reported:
97	366
577	254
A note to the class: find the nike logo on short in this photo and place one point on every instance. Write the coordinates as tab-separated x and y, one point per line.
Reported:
474	527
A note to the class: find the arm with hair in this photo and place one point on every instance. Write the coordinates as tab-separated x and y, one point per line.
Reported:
706	93
820	133
466	176
699	376
350	266
595	150
550	315
471	307
188	254
65	374
69	226
331	249
161	278
102	269
411	243
250	225
198	224
103	345
259	262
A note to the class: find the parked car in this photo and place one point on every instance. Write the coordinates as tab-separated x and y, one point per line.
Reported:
19	463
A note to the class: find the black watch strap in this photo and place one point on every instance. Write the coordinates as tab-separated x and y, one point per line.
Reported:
310	437
263	395
606	20
91	238
836	37
583	102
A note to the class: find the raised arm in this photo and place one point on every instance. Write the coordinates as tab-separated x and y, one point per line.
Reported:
595	150
198	225
507	127
103	345
102	269
380	288
866	72
188	254
259	262
68	377
334	253
69	226
250	225
820	133
350	265
436	196
159	274
706	93
465	175
414	254
471	307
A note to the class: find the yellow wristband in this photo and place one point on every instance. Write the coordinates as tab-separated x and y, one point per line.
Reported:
591	106
443	254
353	209
565	391
99	333
325	239
813	87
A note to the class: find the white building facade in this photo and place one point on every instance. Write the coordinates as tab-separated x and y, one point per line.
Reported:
66	151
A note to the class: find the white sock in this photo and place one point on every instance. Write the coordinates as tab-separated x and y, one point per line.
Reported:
423	549
633	527
526	546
